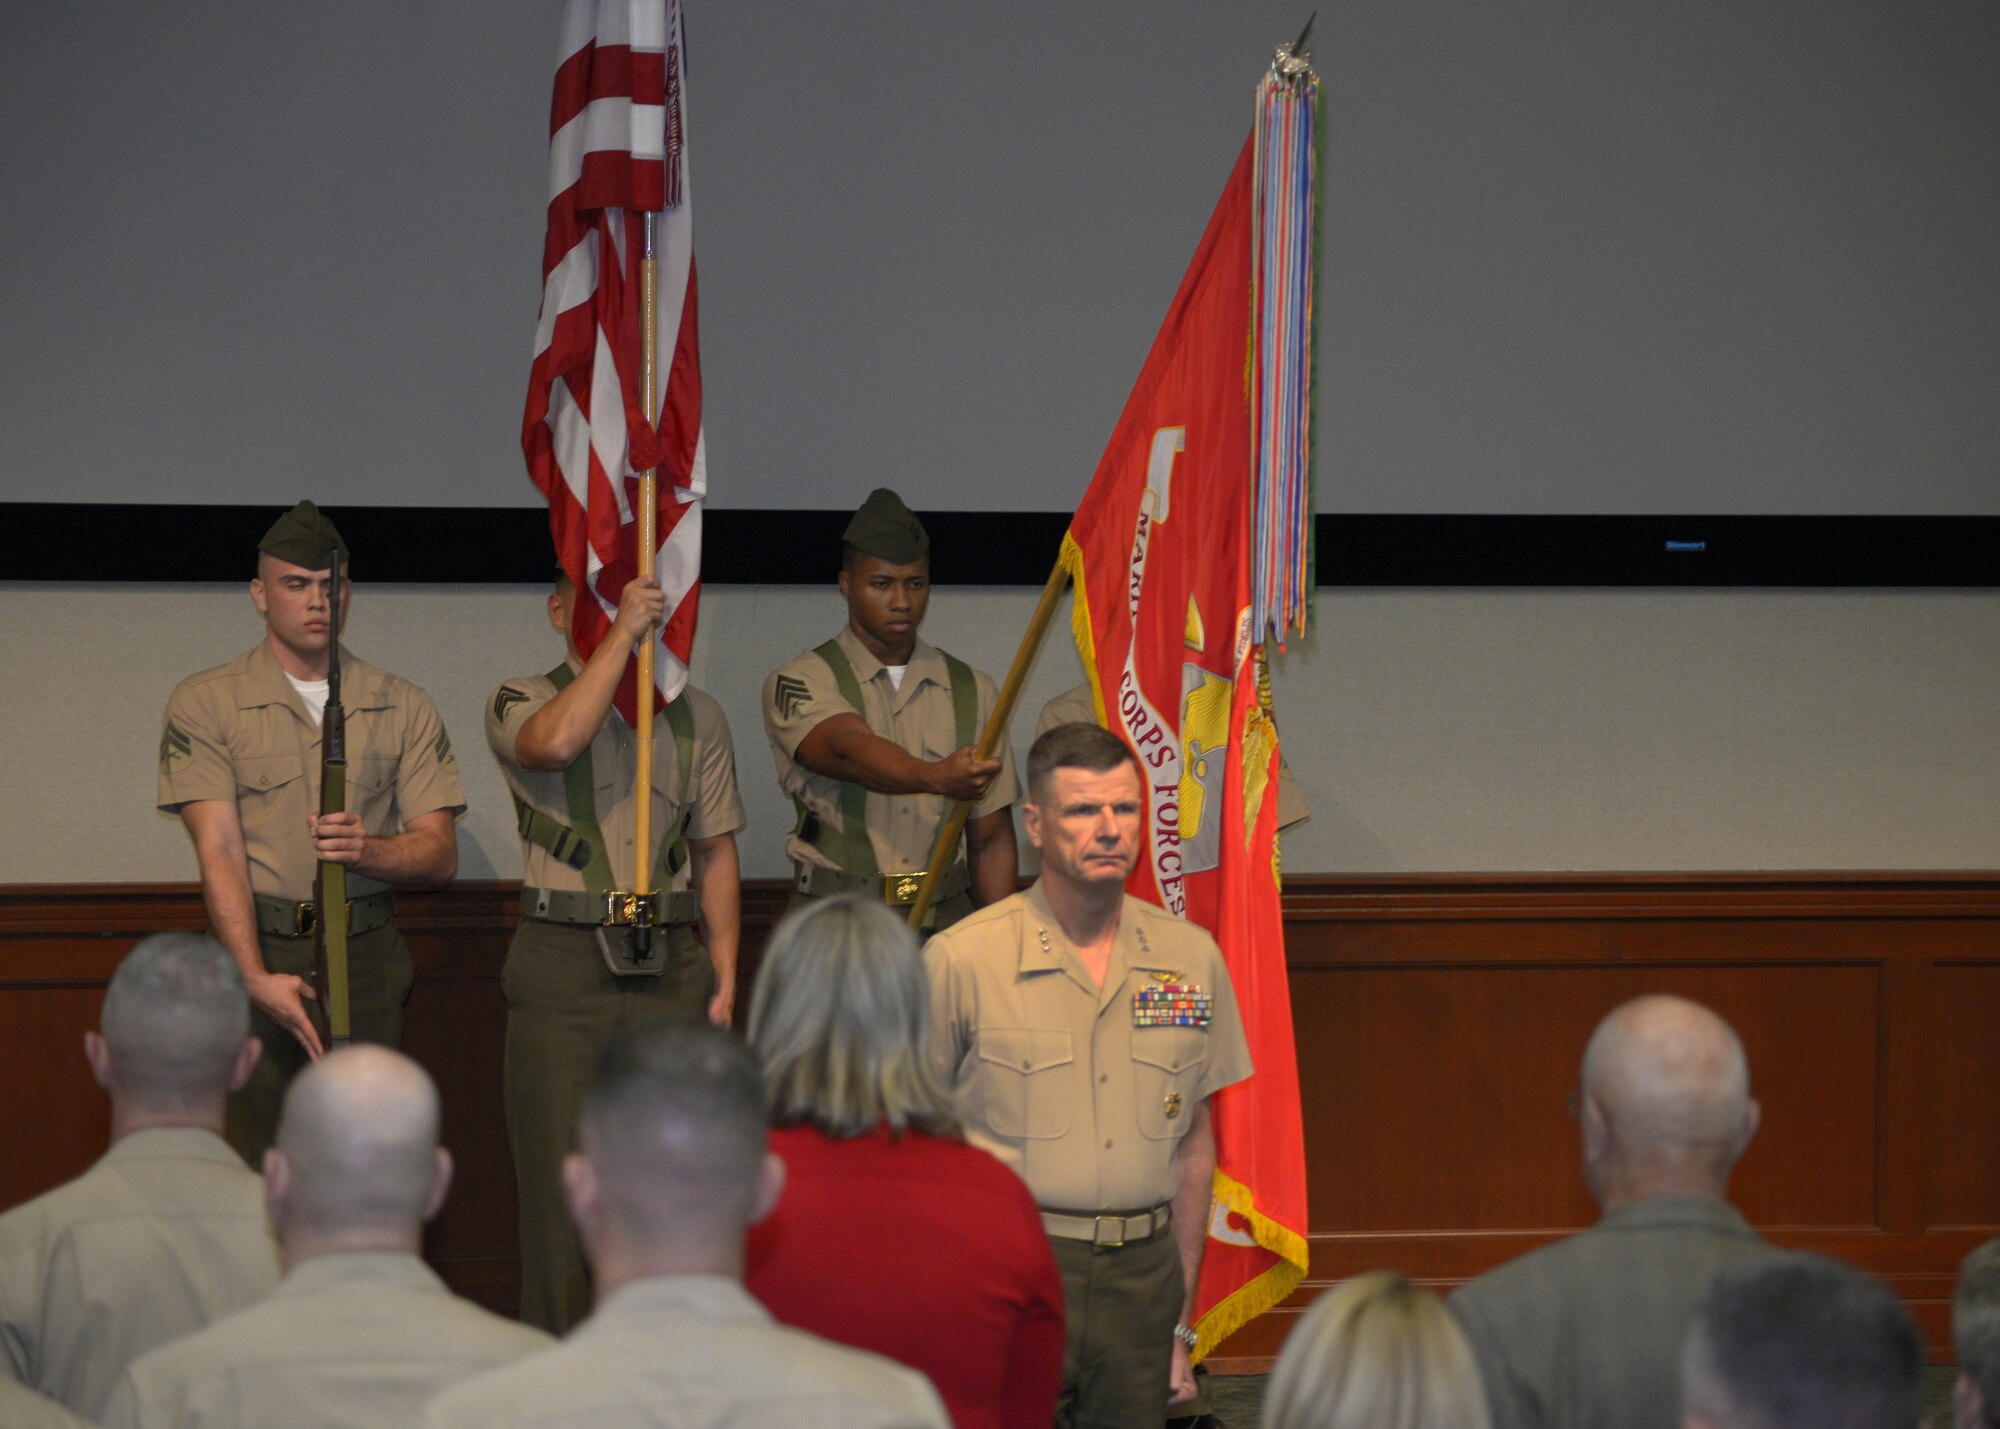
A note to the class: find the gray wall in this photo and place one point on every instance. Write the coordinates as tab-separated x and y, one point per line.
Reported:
1432	731
1700	257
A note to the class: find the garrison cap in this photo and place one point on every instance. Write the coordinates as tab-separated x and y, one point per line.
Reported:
305	538
885	527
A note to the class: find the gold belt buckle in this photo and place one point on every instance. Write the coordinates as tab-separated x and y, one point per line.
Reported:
1106	1242
306	918
622	910
901	888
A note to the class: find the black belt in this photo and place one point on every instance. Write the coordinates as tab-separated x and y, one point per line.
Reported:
289	918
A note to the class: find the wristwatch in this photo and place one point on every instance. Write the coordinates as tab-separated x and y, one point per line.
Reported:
1185	1335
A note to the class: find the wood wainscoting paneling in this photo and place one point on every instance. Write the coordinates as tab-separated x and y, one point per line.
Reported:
1440	1023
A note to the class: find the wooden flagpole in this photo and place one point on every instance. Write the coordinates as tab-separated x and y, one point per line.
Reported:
989	738
649	541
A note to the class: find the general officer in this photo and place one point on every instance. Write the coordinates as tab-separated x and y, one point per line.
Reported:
873	731
1083	1032
570	980
240	764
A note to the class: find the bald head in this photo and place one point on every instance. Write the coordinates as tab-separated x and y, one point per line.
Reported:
1667	1095
357	1153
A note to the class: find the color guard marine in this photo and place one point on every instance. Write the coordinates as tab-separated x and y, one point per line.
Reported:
575	972
873	733
239	762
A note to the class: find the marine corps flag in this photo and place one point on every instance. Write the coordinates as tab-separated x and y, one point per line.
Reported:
1161	552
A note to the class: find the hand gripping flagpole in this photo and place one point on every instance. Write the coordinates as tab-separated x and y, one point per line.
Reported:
946	847
649	542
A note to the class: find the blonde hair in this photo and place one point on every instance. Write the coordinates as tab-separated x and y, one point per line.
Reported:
1376	1353
840	1021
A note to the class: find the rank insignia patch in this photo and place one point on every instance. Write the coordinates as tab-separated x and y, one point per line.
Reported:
176	749
441	748
1172	1004
791	694
504	699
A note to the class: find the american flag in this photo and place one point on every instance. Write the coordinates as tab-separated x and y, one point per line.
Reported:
617	148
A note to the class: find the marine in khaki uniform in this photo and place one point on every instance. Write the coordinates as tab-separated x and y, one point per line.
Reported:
1075	706
1084	1032
240	764
360	1331
873	734
569	760
672	1166
167	1231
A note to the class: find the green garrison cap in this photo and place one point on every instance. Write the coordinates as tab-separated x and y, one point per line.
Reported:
305	538
885	527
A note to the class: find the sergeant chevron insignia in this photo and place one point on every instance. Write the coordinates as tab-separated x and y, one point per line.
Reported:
791	694
176	749
441	748
505	697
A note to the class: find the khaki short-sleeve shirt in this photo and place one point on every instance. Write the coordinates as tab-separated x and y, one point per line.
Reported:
241	733
674	1351
364	1337
920	717
711	799
1075	707
164	1234
1053	1074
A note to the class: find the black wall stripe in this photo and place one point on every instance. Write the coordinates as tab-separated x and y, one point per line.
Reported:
490	545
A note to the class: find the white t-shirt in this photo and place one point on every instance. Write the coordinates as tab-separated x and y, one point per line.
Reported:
313	692
896	673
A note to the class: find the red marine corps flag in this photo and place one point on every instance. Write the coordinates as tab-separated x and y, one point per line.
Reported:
618	170
1188	549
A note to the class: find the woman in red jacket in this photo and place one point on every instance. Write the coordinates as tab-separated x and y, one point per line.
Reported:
893	1235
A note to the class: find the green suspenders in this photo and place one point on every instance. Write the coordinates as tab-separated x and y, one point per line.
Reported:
848	847
580	843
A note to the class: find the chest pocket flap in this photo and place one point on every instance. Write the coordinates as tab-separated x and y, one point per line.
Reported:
1024	1080
371	774
1166	1069
266	773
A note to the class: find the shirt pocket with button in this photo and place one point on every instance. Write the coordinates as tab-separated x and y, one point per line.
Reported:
270	790
1024	1081
1167	1063
371	784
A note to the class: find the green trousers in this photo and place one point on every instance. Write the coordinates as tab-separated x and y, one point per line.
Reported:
378	984
1120	1307
563	1005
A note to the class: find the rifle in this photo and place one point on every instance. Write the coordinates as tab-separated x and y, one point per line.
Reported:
330	884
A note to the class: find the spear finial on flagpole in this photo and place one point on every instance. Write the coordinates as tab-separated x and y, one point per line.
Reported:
1295	60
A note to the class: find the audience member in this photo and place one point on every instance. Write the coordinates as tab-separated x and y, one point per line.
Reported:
167	1231
893	1234
1801	1342
1975	1334
1376	1353
1587	1332
672	1169
360	1331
